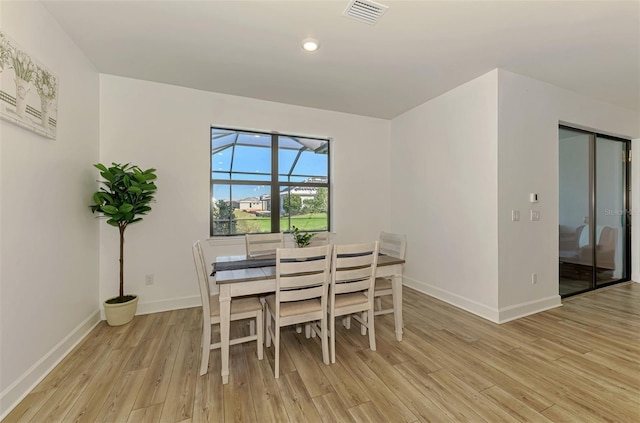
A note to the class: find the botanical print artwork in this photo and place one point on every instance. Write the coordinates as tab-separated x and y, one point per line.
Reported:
28	90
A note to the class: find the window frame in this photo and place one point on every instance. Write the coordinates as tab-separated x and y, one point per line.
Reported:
276	186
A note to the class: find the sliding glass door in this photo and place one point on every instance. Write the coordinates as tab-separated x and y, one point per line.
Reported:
594	246
611	210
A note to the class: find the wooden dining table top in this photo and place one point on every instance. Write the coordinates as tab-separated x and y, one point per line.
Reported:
267	268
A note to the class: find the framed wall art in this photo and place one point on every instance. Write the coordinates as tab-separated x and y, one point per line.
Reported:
28	90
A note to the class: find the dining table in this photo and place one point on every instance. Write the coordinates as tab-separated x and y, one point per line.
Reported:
241	275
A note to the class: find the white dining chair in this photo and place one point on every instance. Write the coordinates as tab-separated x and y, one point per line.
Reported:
302	283
263	244
353	269
394	245
320	238
241	309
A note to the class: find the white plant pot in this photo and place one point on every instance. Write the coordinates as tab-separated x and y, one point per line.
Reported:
122	313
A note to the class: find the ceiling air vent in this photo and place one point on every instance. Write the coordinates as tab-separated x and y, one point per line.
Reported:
365	11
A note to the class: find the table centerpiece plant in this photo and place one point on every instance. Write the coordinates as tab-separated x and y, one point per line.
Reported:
302	239
124	196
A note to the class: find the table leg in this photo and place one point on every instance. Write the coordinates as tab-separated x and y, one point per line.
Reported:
396	286
225	318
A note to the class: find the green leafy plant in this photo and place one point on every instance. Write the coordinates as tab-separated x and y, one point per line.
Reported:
124	196
302	239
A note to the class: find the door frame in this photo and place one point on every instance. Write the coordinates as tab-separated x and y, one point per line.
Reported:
593	136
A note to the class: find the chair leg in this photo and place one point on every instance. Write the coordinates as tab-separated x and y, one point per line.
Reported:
260	334
372	332
277	347
299	329
363	324
267	338
378	303
324	340
333	338
346	322
206	346
252	327
307	330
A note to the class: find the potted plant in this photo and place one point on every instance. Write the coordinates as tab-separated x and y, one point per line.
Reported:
124	196
302	239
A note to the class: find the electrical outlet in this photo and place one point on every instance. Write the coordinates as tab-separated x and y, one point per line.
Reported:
515	215
148	280
534	278
535	215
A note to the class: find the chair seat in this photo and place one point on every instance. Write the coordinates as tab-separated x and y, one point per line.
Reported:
383	283
345	300
238	305
294	307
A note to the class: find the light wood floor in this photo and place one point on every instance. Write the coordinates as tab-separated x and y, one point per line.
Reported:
577	363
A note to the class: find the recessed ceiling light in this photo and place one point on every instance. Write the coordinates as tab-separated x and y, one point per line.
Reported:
310	44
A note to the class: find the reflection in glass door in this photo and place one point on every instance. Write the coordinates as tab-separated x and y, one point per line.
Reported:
576	260
593	211
611	216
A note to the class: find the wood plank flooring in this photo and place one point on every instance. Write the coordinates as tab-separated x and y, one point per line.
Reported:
576	363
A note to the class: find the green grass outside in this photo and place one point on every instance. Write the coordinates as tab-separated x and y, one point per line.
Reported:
247	222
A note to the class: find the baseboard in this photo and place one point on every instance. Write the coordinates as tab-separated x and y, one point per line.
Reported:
454	299
501	315
517	311
19	389
163	305
168	305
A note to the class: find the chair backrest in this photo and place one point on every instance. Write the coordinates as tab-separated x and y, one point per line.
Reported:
302	274
203	279
320	238
263	244
394	245
353	268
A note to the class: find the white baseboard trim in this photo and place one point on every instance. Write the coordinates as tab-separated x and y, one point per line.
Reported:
635	278
163	305
459	301
14	393
501	315
531	307
168	305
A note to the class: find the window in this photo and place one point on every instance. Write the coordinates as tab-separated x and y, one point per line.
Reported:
262	182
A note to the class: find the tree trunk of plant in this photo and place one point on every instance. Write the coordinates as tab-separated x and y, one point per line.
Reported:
122	228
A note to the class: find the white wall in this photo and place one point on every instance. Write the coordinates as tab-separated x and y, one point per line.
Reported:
444	194
462	162
49	244
167	127
529	114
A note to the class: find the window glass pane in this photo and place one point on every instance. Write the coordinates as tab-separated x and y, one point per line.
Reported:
242	176
304	207
240	152
252	159
240	209
300	159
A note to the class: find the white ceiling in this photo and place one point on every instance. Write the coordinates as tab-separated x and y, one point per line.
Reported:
417	51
